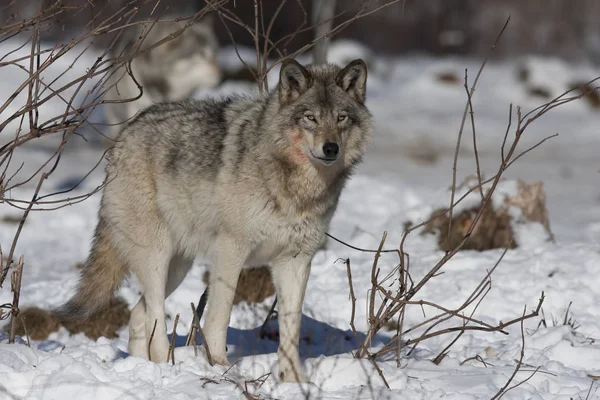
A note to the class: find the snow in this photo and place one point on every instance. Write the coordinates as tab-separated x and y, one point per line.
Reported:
406	175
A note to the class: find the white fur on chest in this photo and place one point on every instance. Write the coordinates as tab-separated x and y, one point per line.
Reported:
196	223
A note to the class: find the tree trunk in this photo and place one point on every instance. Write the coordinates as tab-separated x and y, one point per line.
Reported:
322	21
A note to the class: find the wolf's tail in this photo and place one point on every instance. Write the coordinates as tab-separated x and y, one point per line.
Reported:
102	274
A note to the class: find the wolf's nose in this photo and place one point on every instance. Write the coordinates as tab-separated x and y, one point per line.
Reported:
331	150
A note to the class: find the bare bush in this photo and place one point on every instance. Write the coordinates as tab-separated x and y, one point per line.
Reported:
388	306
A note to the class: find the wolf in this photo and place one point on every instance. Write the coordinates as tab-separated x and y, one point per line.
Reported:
237	181
171	71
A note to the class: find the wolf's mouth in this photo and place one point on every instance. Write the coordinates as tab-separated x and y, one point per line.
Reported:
324	160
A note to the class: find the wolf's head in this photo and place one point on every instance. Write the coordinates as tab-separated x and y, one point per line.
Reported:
324	113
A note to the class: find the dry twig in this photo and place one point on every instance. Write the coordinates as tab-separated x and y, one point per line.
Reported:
393	305
171	352
16	289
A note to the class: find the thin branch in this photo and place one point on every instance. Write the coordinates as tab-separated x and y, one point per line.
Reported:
171	352
16	289
150	340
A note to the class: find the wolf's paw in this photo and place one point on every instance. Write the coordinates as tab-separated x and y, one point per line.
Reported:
220	360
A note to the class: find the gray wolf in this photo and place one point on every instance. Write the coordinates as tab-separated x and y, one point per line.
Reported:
171	71
240	181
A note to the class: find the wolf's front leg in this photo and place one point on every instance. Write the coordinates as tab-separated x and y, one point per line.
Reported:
224	275
290	277
138	345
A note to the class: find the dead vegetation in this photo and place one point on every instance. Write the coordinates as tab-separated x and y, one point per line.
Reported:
539	91
38	324
10	219
589	92
482	226
531	201
449	78
523	73
495	227
492	231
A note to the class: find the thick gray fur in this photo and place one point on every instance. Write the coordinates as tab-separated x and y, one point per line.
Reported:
239	181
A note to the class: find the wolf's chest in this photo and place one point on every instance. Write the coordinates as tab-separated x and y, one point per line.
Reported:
274	234
274	240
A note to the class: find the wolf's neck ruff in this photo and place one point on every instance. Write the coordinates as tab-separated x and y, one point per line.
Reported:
310	188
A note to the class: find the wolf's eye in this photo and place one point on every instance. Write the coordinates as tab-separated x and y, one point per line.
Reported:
342	118
310	117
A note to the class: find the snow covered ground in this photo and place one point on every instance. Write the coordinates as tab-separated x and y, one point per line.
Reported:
406	173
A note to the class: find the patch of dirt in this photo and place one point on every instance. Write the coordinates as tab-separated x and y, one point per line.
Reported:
105	323
591	93
494	228
449	78
254	285
40	323
539	91
11	219
492	231
523	73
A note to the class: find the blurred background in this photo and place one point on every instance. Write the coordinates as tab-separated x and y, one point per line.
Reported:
564	28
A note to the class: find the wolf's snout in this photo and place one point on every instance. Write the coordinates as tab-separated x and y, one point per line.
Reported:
331	150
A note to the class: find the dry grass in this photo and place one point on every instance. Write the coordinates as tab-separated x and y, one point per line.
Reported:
492	231
41	323
523	73
531	200
449	78
494	228
11	219
539	91
591	94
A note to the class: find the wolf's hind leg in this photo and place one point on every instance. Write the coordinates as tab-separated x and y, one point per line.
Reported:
224	275
290	277
138	346
151	266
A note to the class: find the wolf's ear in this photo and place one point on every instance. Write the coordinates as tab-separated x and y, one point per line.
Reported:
353	79
294	80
